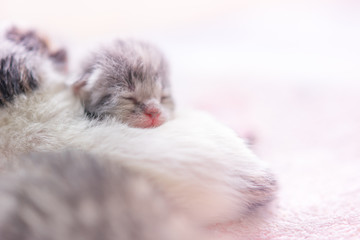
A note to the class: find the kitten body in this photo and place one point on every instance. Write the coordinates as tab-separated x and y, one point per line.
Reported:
72	195
127	80
202	168
201	165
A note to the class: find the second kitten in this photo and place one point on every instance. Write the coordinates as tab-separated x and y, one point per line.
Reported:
127	80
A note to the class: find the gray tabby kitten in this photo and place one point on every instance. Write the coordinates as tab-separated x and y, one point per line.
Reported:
127	80
72	195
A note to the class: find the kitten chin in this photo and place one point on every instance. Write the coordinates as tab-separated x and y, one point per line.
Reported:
127	80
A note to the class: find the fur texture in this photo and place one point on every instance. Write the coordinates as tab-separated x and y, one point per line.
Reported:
73	195
34	42
202	168
129	81
25	60
200	164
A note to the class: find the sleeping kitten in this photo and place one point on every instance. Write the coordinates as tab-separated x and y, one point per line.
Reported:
127	80
201	167
77	196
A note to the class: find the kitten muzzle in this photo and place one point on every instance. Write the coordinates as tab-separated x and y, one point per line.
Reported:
152	112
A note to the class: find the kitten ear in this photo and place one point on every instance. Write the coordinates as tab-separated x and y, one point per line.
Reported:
84	80
78	85
60	59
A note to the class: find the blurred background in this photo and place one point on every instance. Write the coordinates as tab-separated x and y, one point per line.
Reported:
266	40
284	74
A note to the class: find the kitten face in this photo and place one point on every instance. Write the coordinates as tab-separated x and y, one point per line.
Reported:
129	81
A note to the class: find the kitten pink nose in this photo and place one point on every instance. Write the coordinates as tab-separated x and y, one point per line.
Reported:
152	112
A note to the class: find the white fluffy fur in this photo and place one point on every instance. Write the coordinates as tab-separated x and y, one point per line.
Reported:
201	165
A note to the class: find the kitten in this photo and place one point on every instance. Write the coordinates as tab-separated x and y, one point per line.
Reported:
127	80
201	167
77	196
34	42
25	60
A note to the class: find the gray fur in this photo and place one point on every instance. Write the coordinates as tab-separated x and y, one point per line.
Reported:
61	196
18	71
23	55
15	78
32	41
29	39
72	195
127	80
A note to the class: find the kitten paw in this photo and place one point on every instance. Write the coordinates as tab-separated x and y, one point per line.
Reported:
261	190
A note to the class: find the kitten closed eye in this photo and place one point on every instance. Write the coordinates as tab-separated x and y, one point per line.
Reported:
137	80
132	99
165	99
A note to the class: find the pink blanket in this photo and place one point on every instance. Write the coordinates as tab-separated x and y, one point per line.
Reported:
310	135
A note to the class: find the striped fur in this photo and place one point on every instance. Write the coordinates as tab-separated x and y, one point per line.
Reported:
24	58
15	79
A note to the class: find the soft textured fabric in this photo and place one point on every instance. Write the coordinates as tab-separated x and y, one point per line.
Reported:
310	135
